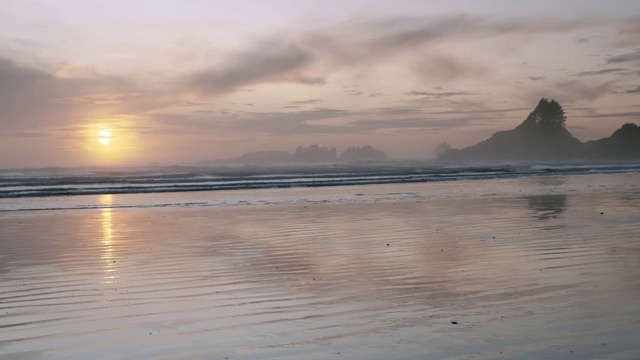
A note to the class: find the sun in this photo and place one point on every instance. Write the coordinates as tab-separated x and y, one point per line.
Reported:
109	141
104	137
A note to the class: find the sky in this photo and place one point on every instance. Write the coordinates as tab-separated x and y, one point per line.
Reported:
92	82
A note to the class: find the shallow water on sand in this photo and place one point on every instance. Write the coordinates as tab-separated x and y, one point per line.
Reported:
548	268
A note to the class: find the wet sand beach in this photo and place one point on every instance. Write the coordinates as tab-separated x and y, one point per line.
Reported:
531	268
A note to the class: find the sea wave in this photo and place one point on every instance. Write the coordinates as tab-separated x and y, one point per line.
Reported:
66	182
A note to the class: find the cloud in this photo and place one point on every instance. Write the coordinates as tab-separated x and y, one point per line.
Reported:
435	104
373	39
312	55
444	68
192	104
631	57
304	122
30	96
629	29
315	122
586	39
306	102
275	124
273	60
568	92
633	114
306	80
415	123
224	111
430	94
103	99
433	118
34	97
290	123
581	91
400	110
25	134
535	78
478	111
600	72
634	91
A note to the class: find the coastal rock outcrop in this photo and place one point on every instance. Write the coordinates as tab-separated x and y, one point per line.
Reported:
543	136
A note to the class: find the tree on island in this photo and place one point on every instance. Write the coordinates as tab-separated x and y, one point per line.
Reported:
314	153
442	149
627	132
548	115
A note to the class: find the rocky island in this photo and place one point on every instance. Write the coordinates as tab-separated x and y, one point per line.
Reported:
543	136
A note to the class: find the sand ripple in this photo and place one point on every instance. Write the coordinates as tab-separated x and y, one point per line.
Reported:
523	276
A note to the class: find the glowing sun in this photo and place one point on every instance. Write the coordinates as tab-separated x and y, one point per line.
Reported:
104	137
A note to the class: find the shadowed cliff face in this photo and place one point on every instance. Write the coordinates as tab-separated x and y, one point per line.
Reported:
624	144
542	136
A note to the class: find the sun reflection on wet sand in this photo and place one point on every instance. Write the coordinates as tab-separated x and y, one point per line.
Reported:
106	243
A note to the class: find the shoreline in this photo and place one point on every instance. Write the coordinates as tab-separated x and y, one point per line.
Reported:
369	193
50	186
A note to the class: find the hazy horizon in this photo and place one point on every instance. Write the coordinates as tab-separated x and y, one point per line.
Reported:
96	83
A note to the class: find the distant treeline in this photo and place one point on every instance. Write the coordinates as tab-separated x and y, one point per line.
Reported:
314	153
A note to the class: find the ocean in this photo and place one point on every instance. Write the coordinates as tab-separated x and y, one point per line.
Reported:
75	188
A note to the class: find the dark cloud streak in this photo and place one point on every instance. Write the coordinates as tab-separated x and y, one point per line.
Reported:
306	102
600	72
633	114
429	94
299	56
414	123
631	57
34	97
265	61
